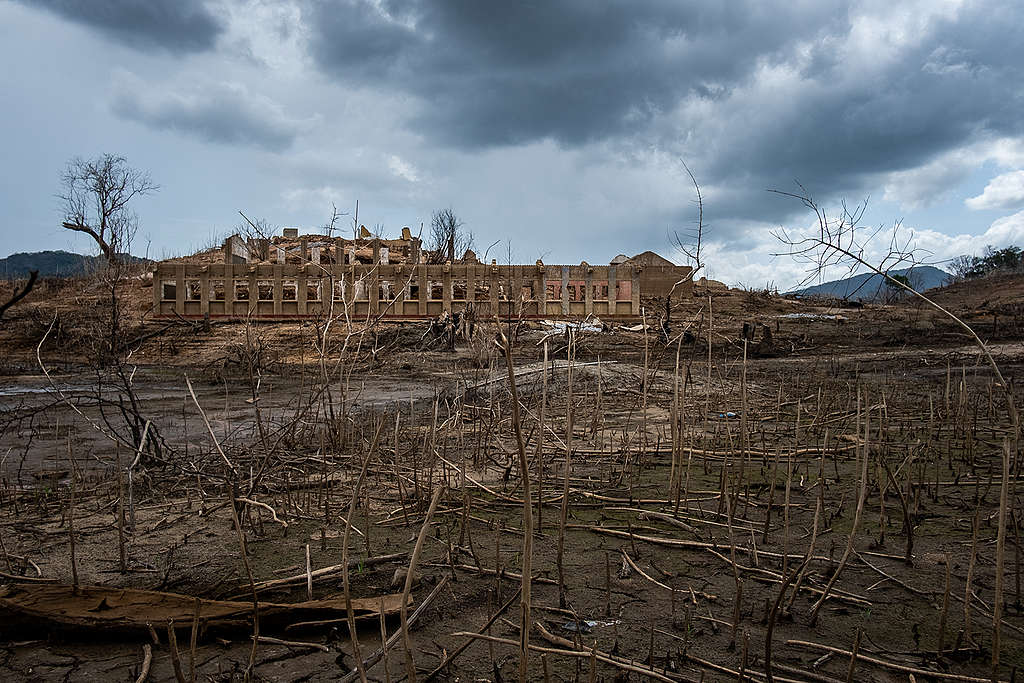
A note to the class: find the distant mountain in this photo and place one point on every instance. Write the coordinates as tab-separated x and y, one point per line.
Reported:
873	287
53	264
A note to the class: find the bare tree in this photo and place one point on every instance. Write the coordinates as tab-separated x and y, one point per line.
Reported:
840	241
257	233
961	267
691	241
19	294
95	198
448	240
331	225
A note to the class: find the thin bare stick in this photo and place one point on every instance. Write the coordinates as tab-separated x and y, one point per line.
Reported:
172	642
527	560
861	495
273	513
71	520
584	654
997	605
349	614
565	475
147	661
293	643
378	654
483	629
192	642
384	643
309	575
410	662
539	455
202	413
891	665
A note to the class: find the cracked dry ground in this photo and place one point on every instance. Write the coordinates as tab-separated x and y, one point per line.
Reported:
693	497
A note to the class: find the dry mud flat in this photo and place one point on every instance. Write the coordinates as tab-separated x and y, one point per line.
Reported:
708	512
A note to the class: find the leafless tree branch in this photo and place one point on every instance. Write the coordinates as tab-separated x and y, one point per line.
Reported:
690	243
448	240
95	198
840	241
20	294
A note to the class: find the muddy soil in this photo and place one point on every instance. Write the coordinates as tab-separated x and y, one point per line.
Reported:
676	542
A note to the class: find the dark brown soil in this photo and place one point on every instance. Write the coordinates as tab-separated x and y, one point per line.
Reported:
803	402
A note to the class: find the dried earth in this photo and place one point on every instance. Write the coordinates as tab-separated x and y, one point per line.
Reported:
670	576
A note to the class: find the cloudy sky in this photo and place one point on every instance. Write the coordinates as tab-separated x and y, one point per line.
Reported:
555	127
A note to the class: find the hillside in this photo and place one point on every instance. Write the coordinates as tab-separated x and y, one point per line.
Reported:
872	287
1001	293
52	264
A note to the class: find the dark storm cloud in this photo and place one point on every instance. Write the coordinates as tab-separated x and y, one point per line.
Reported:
216	112
926	102
505	73
854	102
844	130
178	26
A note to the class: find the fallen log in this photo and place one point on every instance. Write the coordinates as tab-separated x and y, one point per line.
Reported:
130	609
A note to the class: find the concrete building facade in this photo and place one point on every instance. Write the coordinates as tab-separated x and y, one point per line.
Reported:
284	287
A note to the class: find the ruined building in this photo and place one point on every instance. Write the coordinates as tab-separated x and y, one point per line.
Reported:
308	276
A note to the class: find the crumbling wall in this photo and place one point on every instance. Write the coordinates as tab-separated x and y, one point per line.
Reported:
402	291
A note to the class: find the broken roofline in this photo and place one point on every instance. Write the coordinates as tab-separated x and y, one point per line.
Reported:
367	249
315	248
312	276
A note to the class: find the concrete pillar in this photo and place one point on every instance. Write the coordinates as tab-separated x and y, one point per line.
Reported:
350	287
278	288
635	291
376	251
588	294
398	290
516	295
254	293
179	290
374	284
204	292
158	288
300	293
304	250
421	274
565	290
612	294
229	289
252	305
540	291
470	285
446	288
386	289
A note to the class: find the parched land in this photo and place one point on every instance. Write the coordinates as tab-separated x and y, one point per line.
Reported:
779	491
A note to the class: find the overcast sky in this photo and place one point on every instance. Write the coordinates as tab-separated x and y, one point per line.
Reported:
557	127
